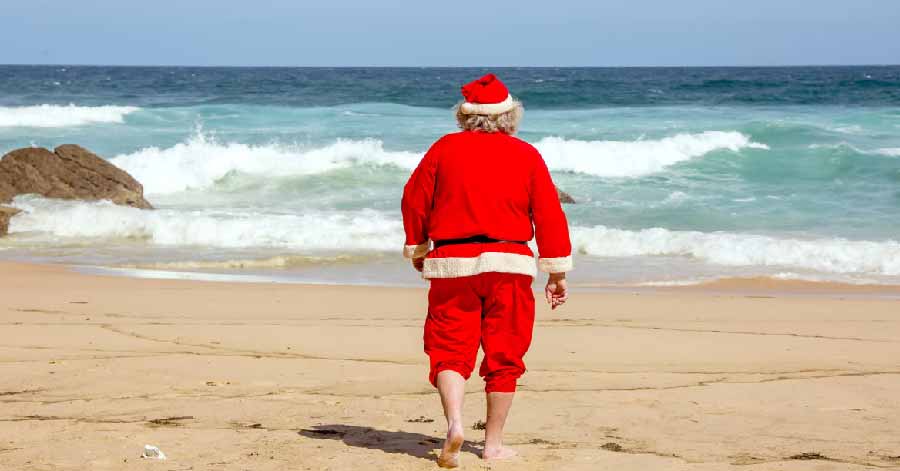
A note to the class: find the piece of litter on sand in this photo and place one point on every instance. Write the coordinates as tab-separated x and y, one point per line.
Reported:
153	453
480	425
322	431
612	446
420	420
808	456
170	421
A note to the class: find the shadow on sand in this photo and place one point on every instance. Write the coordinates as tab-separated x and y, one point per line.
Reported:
412	444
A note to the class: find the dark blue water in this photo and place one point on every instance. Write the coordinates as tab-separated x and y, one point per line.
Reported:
541	88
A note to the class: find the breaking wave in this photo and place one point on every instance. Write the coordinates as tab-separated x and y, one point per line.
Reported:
363	230
637	158
729	249
58	116
202	160
374	231
889	151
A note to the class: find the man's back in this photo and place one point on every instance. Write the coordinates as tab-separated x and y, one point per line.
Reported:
482	187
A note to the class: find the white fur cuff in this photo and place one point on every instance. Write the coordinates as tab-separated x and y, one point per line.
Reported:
488	108
415	251
555	265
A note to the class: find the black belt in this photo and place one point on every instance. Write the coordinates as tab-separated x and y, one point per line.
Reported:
479	239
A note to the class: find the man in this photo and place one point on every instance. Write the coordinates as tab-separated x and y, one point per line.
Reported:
479	196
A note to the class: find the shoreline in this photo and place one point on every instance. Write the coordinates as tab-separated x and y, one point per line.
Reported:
724	285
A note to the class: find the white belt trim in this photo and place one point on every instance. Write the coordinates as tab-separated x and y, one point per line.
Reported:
555	265
488	108
415	251
455	267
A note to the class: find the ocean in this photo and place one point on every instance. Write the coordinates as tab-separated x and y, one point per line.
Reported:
681	175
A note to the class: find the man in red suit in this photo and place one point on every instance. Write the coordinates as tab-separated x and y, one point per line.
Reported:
469	209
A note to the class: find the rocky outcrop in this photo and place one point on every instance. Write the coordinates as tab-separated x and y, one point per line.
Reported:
69	172
564	197
6	214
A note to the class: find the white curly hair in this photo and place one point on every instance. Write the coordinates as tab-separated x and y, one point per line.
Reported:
507	122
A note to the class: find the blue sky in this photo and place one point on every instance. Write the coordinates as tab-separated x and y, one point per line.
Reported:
429	33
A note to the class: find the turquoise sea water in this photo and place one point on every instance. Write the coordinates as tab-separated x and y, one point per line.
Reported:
680	174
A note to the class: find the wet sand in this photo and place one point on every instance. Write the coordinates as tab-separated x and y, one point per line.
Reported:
277	376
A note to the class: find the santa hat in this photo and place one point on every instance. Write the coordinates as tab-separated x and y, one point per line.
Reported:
486	95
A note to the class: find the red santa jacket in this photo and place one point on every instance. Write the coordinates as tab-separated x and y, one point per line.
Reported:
474	183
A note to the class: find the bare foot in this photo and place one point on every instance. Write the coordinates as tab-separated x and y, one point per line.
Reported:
498	453
450	453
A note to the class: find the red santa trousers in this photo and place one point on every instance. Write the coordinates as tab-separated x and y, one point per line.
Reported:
494	310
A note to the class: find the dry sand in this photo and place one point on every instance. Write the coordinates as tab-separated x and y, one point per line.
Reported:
287	377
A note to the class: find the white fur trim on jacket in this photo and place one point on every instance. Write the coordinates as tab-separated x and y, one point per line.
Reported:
415	251
455	267
488	108
555	265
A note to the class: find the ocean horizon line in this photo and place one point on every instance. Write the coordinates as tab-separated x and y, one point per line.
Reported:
450	67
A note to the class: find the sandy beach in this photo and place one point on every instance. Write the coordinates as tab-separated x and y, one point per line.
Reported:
241	376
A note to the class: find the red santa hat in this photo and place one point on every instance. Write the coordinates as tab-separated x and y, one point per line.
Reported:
487	95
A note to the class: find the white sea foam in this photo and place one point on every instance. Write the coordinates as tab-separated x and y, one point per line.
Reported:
889	151
676	198
636	158
851	279
369	230
57	116
281	261
823	255
849	129
202	160
364	230
886	151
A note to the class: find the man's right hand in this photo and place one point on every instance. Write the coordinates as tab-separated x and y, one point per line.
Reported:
556	291
418	263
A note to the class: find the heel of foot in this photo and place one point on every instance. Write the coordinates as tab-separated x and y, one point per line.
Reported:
448	461
501	453
450	454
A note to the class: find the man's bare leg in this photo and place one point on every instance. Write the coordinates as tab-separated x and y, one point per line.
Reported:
498	404
452	387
